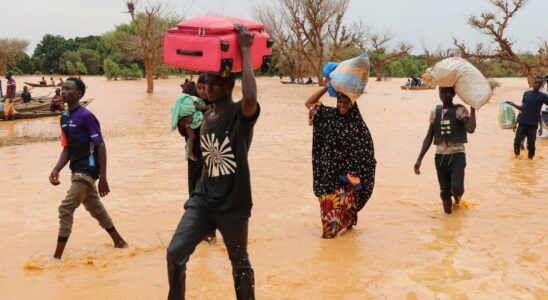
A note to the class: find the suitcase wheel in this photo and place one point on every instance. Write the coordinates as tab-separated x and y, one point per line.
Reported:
224	46
226	67
269	43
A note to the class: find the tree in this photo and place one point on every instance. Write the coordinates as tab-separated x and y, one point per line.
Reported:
81	68
314	29
149	27
24	63
112	70
286	54
494	26
432	57
380	54
48	52
69	56
92	60
70	67
10	51
121	45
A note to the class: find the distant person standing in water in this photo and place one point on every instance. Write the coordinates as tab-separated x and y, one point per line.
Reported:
449	126
84	148
530	117
9	112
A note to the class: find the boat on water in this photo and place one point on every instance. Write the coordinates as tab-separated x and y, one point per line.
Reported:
39	103
42	113
417	87
294	82
41	85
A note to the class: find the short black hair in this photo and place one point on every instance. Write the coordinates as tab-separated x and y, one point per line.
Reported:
79	83
539	77
451	88
202	78
189	87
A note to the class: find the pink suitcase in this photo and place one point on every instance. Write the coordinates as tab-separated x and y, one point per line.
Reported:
210	44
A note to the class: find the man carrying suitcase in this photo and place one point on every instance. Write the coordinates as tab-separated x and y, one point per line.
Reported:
222	198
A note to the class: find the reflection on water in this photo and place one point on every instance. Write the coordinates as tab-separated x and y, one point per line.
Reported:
121	105
404	247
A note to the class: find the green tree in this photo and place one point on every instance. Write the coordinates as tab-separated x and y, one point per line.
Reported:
380	55
149	28
112	70
70	68
81	68
90	42
92	60
48	52
69	56
24	63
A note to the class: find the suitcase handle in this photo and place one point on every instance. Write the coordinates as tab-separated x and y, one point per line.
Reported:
189	53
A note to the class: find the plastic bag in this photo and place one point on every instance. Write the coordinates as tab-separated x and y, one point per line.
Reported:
507	116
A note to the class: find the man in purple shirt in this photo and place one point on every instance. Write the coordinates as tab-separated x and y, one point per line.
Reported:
83	146
10	95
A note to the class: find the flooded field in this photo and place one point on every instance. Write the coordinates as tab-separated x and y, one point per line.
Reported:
494	246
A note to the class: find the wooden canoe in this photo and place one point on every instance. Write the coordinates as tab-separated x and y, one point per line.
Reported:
42	113
34	104
40	85
417	88
289	82
19	100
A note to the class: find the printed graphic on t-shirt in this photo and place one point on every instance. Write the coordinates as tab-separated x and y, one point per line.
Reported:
219	160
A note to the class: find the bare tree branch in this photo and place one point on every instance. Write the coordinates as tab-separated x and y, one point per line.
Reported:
494	26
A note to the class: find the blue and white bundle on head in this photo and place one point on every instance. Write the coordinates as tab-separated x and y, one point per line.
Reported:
327	69
348	77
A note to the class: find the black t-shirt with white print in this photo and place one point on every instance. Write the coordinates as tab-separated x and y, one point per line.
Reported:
225	184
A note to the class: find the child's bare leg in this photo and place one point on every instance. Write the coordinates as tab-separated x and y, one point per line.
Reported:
190	141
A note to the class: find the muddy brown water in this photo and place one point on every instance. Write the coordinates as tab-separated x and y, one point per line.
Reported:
494	246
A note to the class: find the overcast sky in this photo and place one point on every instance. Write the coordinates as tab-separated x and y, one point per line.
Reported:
429	22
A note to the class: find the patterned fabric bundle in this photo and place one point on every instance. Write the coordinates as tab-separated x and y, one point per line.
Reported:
348	77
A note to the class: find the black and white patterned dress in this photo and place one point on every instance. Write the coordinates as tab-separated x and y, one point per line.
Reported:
341	145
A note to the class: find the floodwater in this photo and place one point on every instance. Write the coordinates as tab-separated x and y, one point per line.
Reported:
494	246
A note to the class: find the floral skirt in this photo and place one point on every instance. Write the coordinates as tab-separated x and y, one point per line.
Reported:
338	211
